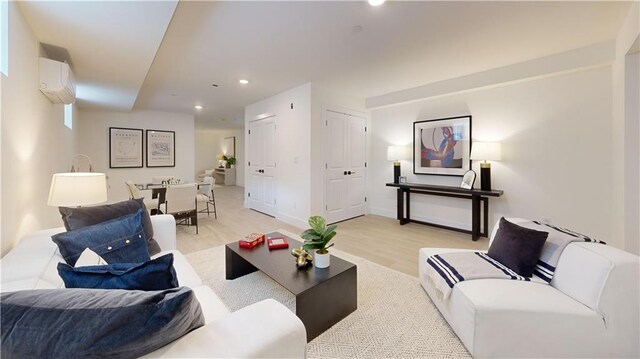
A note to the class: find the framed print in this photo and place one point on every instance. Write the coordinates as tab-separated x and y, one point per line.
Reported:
230	146
125	147
442	146
468	179
161	148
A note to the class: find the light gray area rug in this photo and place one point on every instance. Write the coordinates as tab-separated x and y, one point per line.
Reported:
395	317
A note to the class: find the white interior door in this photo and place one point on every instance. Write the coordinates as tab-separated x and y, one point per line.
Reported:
356	183
345	156
335	167
262	166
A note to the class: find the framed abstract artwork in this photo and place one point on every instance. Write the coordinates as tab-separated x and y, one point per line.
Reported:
161	148
125	147
442	146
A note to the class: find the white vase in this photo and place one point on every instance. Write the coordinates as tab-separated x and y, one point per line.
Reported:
321	260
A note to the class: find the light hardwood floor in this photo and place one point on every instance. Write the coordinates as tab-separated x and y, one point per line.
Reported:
379	239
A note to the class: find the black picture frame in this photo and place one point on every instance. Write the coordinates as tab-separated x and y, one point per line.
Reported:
458	160
126	147
161	148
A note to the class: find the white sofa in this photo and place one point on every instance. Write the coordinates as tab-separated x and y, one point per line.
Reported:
264	329
590	309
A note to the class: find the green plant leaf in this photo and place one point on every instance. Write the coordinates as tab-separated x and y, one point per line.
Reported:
326	239
318	224
329	246
311	246
329	229
310	234
314	241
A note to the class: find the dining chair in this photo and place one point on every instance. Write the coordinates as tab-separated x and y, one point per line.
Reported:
134	193
180	201
206	195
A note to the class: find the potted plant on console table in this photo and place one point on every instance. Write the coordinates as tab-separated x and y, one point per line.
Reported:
318	237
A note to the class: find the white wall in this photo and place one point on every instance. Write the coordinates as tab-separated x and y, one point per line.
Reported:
632	153
293	150
35	142
211	142
93	127
625	191
557	147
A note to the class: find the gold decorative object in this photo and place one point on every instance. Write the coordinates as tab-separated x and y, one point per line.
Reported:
303	258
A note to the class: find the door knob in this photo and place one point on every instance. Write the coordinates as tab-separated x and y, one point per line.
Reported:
349	172
345	173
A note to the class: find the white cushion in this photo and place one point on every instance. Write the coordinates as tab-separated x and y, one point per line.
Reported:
212	306
89	258
26	284
505	318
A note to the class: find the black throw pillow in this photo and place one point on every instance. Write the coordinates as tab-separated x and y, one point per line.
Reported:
156	274
76	218
95	323
517	247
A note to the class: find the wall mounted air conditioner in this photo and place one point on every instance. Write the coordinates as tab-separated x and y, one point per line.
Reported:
56	81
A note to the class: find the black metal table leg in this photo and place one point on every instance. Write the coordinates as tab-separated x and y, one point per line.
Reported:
475	217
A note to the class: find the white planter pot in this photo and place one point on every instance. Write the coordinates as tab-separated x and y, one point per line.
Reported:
321	260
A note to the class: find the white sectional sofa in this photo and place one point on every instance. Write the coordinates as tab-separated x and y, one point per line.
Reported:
590	309
262	330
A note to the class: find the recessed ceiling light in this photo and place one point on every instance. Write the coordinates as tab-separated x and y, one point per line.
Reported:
198	107
376	2
243	81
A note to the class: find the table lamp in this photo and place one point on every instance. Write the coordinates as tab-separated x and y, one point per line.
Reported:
77	189
486	151
396	154
220	158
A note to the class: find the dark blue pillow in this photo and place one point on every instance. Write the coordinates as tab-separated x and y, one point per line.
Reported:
156	274
94	323
120	240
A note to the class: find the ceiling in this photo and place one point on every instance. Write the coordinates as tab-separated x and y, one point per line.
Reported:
350	46
111	44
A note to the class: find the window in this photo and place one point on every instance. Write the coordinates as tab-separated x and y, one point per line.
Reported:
4	37
68	116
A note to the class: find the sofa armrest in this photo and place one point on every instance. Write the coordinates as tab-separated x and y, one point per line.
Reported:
164	231
266	329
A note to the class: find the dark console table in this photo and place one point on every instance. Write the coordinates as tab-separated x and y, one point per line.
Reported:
475	195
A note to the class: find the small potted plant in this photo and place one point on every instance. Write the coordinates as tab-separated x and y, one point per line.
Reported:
318	237
230	161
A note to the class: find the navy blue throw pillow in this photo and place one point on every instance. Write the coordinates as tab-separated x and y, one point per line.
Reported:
120	240
517	247
94	323
156	274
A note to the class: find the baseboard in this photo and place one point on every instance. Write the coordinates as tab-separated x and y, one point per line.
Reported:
296	222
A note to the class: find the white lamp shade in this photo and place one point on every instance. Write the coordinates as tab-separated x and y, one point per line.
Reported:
77	189
397	153
486	151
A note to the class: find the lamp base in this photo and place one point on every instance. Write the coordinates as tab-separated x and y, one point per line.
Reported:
396	172
485	176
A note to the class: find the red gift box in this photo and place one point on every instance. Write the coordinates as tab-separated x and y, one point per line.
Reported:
251	240
277	243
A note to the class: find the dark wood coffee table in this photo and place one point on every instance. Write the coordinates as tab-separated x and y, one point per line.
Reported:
324	296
